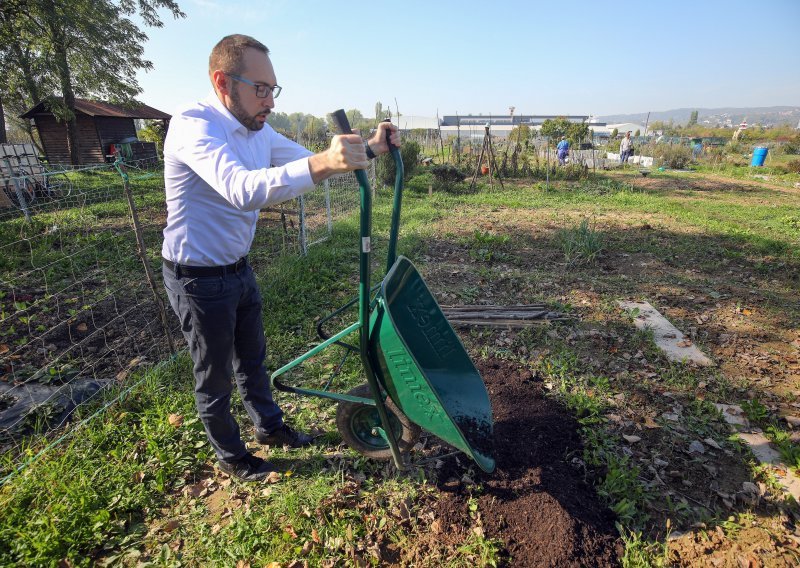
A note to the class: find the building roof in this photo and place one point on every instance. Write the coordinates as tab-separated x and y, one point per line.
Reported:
100	108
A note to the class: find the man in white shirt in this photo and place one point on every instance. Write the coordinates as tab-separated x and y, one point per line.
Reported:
625	148
222	163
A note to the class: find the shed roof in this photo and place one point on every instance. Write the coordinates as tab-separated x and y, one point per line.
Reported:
100	108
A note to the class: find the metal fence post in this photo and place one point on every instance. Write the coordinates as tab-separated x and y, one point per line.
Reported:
328	207
303	236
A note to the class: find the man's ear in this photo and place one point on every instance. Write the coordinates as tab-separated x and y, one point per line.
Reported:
220	82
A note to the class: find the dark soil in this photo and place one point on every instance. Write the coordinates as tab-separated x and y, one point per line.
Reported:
535	501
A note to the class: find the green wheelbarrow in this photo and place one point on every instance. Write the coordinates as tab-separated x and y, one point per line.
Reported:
419	376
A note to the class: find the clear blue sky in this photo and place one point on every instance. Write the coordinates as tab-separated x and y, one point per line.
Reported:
570	57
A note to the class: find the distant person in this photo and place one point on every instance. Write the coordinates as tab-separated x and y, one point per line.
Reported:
562	150
697	150
625	148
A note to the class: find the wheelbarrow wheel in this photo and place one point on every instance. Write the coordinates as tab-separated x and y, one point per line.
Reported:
357	422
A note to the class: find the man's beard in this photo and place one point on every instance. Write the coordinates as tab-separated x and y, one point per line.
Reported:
249	121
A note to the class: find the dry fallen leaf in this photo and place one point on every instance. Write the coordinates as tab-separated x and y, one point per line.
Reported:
436	526
315	536
171	525
289	529
631	439
273	477
685	343
82	327
4	348
650	423
215	529
138	477
175	420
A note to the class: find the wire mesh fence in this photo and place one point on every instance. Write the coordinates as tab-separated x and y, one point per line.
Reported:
77	315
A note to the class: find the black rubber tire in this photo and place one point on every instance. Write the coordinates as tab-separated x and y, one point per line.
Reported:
351	415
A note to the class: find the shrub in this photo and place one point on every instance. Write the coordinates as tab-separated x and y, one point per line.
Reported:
410	152
421	182
673	156
447	173
793	166
581	244
448	178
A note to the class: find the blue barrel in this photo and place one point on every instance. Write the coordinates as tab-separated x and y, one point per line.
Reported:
759	155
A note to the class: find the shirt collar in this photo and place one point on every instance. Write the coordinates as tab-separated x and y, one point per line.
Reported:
230	122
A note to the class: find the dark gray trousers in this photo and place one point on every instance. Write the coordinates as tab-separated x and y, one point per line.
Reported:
220	318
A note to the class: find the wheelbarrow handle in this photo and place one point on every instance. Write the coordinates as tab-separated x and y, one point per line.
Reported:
341	122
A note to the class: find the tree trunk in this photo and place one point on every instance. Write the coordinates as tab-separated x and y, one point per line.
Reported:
2	123
64	77
32	90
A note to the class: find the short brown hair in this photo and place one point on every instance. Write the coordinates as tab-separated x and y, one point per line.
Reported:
227	55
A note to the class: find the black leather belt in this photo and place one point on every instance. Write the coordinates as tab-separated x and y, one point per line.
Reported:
182	270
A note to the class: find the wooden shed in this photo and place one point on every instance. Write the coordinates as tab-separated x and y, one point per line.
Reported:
100	124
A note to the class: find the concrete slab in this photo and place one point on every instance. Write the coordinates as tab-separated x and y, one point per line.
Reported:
675	345
766	454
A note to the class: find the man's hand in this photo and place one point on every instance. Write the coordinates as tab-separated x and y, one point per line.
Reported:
347	153
378	140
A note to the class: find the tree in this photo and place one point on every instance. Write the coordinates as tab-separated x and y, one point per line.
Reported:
637	133
76	48
692	119
555	128
154	131
614	133
23	59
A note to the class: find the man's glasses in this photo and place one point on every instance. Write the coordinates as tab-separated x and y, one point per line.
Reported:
262	90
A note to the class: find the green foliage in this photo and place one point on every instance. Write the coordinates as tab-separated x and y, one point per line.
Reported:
581	244
40	55
448	178
520	134
755	411
154	131
674	156
410	152
93	491
305	129
692	118
793	166
614	133
790	451
558	127
486	247
640	553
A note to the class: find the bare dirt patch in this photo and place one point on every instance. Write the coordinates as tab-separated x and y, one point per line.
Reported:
536	502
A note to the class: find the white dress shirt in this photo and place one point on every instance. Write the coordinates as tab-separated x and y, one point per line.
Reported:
218	174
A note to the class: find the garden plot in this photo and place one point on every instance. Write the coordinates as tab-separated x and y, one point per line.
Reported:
607	452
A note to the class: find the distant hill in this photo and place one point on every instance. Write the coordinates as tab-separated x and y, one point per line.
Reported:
766	116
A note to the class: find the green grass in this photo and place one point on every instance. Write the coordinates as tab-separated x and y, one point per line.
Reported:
110	491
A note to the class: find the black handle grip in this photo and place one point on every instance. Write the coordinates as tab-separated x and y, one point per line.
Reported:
340	121
389	134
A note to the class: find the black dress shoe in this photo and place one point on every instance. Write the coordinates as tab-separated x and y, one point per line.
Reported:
248	468
284	436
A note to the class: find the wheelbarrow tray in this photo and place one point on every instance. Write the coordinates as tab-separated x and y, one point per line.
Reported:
424	367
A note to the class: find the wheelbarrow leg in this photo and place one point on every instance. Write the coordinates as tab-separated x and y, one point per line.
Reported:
384	415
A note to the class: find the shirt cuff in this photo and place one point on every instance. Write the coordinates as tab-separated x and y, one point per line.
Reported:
300	173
